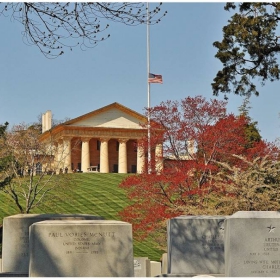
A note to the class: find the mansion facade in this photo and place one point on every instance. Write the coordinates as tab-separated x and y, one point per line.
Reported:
105	140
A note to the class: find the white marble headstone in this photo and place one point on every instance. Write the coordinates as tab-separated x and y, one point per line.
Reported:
196	245
252	244
81	249
15	243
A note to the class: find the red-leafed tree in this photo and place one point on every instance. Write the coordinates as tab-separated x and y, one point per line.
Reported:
196	135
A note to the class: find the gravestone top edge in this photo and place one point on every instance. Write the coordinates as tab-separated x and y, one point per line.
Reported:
81	222
255	214
200	217
48	215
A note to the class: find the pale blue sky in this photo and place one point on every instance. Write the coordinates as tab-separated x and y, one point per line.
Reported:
181	50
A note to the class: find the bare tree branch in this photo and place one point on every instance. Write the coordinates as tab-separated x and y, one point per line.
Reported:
57	27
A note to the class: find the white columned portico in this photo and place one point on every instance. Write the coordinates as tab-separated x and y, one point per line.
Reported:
85	155
67	154
104	155
159	158
140	157
122	156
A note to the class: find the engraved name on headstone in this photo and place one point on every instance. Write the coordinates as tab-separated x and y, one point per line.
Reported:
81	249
15	244
252	244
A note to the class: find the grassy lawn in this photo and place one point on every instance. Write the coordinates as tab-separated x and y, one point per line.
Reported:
94	194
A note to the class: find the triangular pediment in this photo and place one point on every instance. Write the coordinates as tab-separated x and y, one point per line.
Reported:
111	116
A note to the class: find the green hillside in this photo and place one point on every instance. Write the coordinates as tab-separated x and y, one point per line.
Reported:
92	193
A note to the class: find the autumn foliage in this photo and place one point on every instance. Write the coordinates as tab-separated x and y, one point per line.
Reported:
197	136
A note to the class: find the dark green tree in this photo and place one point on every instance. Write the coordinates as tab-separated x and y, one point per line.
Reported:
251	131
3	128
249	48
56	26
5	158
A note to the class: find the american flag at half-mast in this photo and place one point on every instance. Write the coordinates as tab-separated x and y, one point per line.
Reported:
153	78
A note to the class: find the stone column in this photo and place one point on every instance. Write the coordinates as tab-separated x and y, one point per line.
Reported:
122	155
59	152
54	152
158	158
85	155
140	158
67	154
104	155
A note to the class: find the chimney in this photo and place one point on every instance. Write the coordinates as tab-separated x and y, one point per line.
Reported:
46	121
43	123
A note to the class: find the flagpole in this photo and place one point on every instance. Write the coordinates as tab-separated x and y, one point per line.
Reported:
148	72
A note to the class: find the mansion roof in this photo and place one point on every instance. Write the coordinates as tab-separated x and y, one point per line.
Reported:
114	119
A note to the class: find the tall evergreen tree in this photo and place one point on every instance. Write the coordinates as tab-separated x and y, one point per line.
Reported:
249	48
251	131
5	158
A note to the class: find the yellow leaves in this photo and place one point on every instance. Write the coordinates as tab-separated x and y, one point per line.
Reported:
248	186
